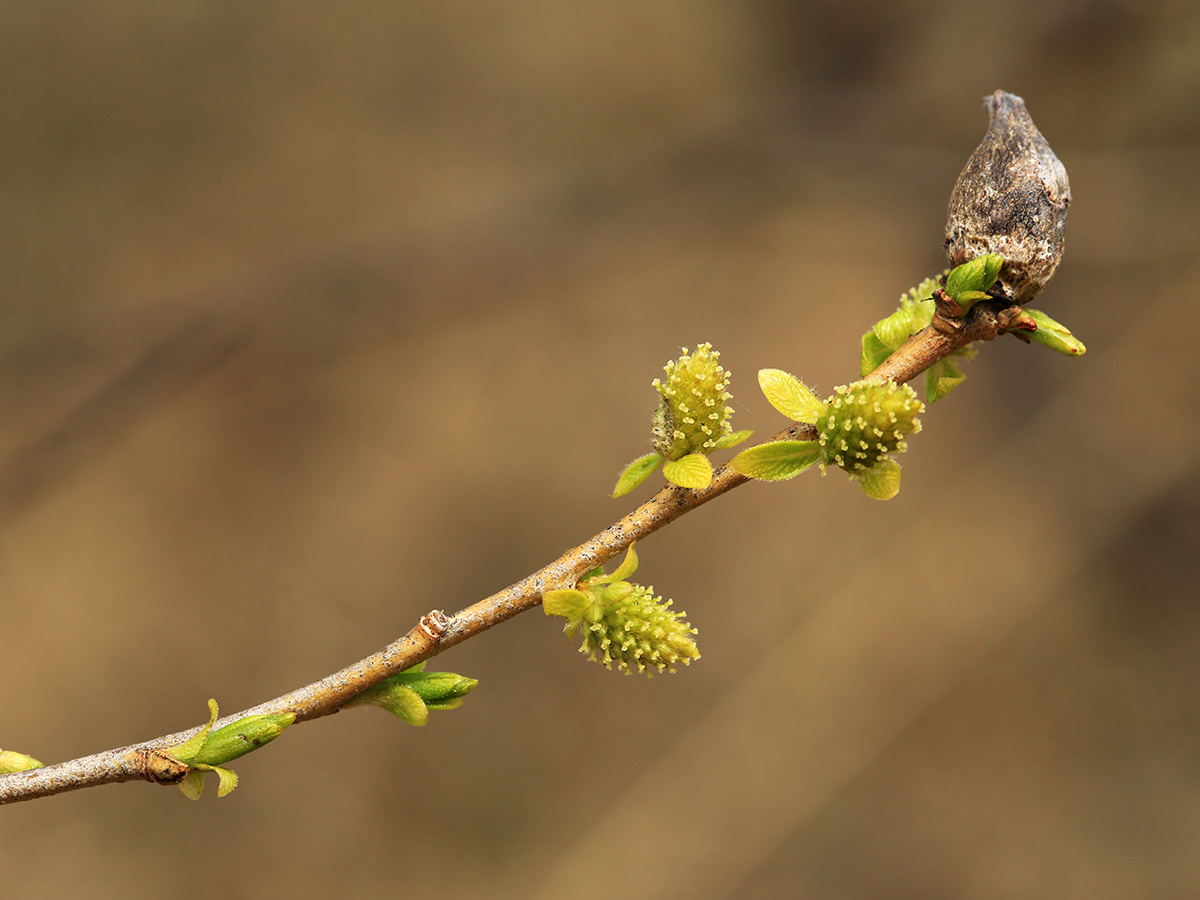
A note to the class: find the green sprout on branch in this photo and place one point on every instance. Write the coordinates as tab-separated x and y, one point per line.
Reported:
208	750
411	694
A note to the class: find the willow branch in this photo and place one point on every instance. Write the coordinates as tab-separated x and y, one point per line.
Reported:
151	760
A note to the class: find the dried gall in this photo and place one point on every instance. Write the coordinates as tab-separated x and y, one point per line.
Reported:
1011	198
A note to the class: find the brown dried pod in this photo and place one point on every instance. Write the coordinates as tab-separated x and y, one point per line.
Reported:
1012	199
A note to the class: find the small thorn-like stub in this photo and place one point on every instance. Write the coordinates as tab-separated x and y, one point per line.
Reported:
1011	198
434	624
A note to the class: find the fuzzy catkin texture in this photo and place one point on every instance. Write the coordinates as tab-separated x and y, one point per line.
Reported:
1011	198
864	422
692	414
628	625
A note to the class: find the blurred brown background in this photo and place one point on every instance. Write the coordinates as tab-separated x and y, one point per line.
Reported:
319	316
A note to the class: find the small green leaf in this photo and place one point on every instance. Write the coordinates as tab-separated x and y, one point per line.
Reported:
895	329
923	312
401	701
790	396
193	784
188	749
228	780
732	439
569	604
628	565
637	472
874	352
776	460
941	378
692	471
882	482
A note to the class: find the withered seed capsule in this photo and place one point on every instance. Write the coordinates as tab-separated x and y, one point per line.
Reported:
1012	199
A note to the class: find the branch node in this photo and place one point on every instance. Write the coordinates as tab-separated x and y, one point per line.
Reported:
434	624
158	766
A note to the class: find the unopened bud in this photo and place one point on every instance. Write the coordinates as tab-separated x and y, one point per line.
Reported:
239	738
11	761
1012	199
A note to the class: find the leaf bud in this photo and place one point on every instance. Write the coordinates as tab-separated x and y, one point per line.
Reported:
239	738
969	283
1046	331
410	695
11	761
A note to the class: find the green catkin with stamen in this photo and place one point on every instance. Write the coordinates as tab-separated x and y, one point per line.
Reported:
626	624
692	415
864	422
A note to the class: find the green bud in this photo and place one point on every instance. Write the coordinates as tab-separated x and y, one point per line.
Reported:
207	749
967	284
1047	331
410	695
239	738
11	761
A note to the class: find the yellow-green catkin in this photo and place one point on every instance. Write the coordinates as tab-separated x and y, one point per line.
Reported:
692	415
866	421
627	625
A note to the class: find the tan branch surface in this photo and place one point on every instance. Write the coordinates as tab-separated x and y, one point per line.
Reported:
436	632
